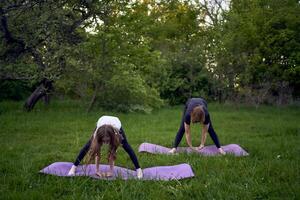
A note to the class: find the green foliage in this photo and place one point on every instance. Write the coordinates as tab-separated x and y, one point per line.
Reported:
176	32
15	90
258	44
117	66
127	55
34	36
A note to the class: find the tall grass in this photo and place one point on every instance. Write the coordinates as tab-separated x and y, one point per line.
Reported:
31	141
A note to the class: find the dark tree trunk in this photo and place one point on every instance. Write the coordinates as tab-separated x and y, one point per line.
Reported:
46	98
42	91
93	100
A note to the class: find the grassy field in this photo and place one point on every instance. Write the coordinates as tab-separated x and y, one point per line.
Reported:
31	141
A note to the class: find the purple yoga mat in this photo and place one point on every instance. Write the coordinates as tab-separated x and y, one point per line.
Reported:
207	150
174	172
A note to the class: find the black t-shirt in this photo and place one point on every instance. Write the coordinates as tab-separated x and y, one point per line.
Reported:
191	104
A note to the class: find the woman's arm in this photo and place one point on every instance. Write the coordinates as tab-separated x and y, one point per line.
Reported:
188	134
204	134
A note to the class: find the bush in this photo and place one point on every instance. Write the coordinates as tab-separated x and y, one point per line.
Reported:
14	90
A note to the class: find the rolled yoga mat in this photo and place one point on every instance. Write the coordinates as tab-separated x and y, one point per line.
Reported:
166	173
207	150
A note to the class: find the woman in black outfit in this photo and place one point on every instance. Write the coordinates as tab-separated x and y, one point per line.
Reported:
196	111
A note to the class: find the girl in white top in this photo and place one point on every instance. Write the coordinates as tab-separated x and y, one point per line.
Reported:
108	131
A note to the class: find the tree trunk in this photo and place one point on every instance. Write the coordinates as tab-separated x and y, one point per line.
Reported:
42	91
93	100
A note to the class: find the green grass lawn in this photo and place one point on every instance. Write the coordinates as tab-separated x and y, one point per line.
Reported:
31	141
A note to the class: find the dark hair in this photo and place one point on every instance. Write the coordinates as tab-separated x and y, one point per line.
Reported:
198	115
107	132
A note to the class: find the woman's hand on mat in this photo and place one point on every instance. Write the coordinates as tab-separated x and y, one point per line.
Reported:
222	151
194	148
201	147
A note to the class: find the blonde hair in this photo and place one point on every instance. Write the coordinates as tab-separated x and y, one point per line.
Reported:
198	115
97	142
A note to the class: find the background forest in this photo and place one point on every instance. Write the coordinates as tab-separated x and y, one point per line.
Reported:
138	55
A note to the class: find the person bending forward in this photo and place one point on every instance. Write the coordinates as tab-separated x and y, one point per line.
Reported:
195	111
108	131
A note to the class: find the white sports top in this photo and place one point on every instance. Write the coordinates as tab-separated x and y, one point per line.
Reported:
109	120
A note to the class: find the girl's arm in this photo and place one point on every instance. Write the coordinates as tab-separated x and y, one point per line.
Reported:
111	166
97	160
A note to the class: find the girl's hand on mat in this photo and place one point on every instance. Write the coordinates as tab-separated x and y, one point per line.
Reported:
222	151
139	173
109	174
72	171
103	174
99	174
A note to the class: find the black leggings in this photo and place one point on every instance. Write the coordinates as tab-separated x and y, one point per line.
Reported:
181	131
124	143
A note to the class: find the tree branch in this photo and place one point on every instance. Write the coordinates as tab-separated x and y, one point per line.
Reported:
8	77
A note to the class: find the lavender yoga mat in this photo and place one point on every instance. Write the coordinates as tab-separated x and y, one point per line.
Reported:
207	150
174	172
